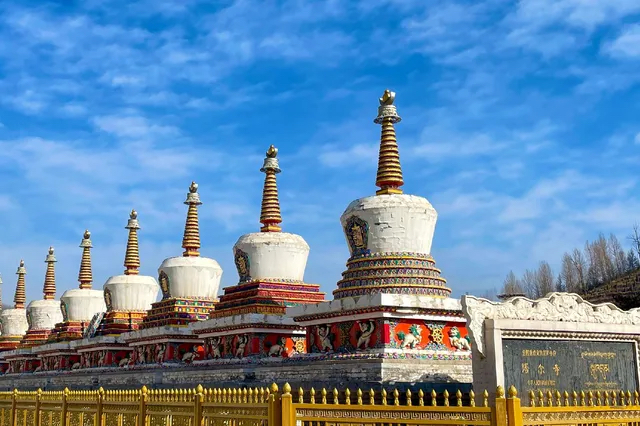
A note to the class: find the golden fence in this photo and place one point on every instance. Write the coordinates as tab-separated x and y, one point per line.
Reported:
271	407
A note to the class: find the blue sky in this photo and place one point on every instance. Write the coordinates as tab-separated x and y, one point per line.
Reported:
519	125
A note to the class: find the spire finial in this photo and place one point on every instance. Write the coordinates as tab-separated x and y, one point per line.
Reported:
270	212
191	239
85	277
20	297
389	176
49	289
132	256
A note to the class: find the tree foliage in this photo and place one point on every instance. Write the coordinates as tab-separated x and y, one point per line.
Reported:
599	262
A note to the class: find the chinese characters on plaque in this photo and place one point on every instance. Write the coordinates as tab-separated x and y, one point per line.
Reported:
550	365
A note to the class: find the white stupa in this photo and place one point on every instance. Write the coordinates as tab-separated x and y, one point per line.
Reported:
79	305
44	314
14	321
131	292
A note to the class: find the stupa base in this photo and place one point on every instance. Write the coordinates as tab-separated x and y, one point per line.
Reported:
177	312
389	326
57	357
251	335
35	337
22	361
67	331
103	351
162	345
115	323
9	343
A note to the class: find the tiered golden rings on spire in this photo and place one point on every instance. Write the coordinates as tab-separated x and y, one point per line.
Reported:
270	211
85	277
50	277
191	239
389	176
20	297
132	256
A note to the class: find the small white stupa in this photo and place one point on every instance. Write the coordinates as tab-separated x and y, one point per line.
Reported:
79	305
44	314
131	292
14	321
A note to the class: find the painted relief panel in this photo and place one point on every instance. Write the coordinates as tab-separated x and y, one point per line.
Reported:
347	336
254	345
185	352
425	335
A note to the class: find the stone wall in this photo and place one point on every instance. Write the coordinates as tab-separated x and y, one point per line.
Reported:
360	373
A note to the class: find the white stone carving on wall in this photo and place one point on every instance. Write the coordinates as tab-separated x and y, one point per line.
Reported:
564	307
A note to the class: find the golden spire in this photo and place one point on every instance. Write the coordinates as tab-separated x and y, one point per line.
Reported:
50	277
389	176
191	239
270	212
132	256
85	277
20	298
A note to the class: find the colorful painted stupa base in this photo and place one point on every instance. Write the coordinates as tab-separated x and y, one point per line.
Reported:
35	337
9	343
57	357
115	323
161	345
68	331
103	352
394	273
251	335
177	312
265	297
22	361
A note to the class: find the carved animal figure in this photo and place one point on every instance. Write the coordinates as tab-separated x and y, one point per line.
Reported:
75	366
279	348
38	368
124	361
412	338
325	335
459	343
101	359
366	330
241	344
215	348
190	356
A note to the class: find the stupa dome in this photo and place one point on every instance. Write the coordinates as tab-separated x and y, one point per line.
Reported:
271	254
81	304
44	314
130	291
390	234
190	276
14	321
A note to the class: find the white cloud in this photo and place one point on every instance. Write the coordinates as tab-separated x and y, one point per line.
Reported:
133	127
627	44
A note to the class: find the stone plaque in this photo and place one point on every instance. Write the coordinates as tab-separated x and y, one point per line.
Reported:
568	365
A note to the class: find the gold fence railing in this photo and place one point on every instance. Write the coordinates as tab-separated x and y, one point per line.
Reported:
270	407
